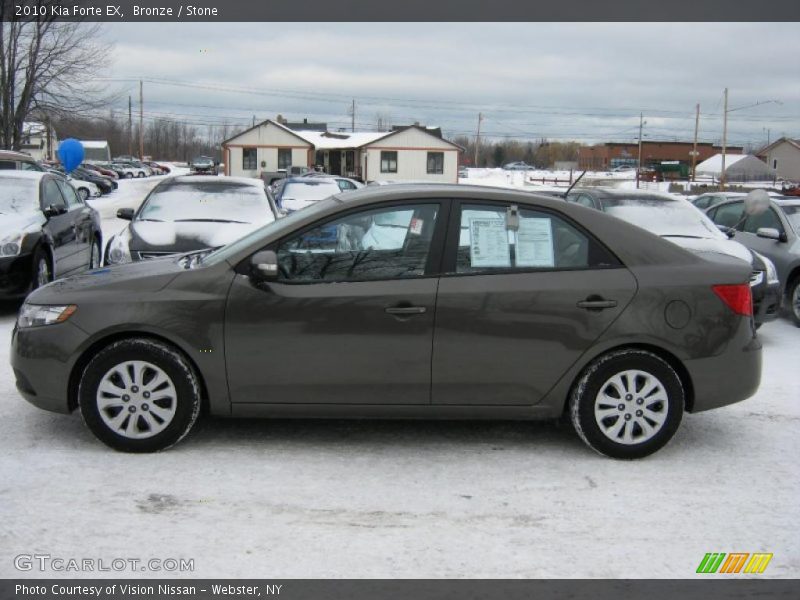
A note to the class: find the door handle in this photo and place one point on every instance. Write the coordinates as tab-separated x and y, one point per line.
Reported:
405	310
596	303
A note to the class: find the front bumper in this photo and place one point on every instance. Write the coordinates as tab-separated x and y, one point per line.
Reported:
42	359
16	273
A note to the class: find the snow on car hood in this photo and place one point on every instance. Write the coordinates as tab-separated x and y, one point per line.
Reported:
170	236
717	246
20	222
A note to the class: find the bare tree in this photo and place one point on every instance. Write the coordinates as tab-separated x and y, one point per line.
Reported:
47	68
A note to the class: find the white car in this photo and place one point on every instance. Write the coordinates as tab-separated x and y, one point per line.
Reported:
85	189
129	171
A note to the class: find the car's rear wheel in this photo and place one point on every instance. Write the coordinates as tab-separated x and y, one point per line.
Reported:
140	174
94	258
627	404
794	300
42	269
139	395
128	175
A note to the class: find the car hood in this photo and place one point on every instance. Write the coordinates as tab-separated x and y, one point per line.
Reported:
174	237
703	246
141	277
13	223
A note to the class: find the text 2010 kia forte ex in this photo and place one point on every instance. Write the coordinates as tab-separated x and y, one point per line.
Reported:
402	301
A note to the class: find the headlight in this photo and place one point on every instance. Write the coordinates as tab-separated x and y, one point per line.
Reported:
34	315
772	272
118	250
11	245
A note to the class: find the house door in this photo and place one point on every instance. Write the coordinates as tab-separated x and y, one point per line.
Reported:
335	158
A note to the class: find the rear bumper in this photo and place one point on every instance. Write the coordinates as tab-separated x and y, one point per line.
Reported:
730	377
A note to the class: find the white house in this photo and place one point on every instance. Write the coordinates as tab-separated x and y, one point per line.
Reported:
738	167
96	150
410	153
37	142
783	155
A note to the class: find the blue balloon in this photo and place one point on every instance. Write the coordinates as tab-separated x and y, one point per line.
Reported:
70	153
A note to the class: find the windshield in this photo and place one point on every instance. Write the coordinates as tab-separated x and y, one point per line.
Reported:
285	224
17	195
207	201
310	191
793	214
663	216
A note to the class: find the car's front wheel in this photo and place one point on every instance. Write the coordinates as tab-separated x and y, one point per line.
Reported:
139	395
42	270
128	175
627	404
94	258
794	300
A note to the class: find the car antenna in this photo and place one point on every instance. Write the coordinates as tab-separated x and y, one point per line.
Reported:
569	189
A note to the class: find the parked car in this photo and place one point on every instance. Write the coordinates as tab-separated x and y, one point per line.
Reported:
158	169
203	165
129	170
548	309
518	166
775	233
299	192
709	199
46	231
110	173
679	222
271	177
345	183
190	213
86	189
106	185
17	161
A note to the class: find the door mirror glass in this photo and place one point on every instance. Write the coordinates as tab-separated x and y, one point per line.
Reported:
125	213
264	266
770	233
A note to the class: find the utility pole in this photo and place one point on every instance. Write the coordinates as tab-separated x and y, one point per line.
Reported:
639	161
141	120
724	142
694	148
478	138
353	116
130	126
49	135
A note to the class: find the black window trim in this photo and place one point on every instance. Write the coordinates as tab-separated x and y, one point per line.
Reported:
450	256
396	160
255	158
284	150
435	252
428	163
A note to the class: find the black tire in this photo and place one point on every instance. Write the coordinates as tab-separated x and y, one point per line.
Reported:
93	264
596	379
794	300
140	174
128	175
187	400
41	258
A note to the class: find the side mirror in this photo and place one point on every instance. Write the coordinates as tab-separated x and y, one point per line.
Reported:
264	266
770	233
729	231
54	210
125	213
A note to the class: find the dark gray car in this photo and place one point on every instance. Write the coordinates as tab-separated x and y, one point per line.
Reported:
402	301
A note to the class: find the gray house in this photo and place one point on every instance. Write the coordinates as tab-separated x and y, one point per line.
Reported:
783	155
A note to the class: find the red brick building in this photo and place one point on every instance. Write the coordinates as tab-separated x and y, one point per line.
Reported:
612	154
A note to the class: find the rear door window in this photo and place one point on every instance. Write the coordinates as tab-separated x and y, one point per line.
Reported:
728	215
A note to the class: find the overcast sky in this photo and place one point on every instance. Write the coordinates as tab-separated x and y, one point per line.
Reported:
584	81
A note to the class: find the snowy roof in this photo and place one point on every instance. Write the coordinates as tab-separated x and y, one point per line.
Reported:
94	143
33	128
714	164
327	140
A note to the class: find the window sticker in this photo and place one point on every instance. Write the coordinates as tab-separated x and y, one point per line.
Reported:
415	227
489	243
535	243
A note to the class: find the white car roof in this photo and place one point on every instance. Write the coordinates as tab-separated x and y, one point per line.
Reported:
19	174
210	178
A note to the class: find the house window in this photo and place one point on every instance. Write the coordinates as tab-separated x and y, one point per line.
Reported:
388	162
249	159
284	158
774	163
435	163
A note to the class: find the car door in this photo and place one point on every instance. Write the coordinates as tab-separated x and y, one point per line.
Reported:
350	318
60	228
768	219
523	295
81	217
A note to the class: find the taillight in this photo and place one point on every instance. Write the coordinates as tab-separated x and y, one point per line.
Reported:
737	297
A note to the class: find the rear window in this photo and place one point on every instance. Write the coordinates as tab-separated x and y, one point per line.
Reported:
309	191
208	201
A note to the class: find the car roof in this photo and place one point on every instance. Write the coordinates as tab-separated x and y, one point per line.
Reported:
19	174
787	201
220	180
606	192
313	180
13	155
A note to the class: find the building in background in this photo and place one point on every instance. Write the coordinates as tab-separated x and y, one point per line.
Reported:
38	142
738	167
603	157
407	153
783	155
96	150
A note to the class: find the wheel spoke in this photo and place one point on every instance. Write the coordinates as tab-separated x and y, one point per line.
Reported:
613	430
116	422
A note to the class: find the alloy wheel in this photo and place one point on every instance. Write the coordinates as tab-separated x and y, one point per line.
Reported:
631	407
136	399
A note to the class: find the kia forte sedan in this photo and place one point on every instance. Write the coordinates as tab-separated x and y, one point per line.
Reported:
431	301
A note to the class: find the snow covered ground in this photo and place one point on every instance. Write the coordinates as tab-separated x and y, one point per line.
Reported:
403	498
